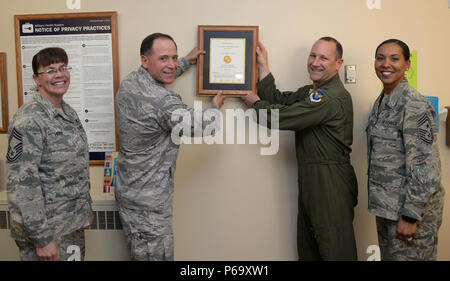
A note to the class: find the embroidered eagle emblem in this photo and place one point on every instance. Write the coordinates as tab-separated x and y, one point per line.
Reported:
316	96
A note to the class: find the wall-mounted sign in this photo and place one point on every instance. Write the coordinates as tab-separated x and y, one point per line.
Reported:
90	40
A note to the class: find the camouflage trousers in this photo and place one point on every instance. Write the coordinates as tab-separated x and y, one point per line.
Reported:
421	248
71	248
149	234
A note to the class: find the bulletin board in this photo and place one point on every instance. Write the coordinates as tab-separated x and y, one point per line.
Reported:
90	40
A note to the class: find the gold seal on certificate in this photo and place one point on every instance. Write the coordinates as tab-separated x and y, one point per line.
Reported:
229	63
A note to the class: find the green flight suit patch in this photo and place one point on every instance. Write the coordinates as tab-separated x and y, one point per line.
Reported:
316	96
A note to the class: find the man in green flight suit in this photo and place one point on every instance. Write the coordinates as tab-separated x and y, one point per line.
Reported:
321	115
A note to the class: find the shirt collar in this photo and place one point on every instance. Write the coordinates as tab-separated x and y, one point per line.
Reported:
392	99
50	109
143	72
328	84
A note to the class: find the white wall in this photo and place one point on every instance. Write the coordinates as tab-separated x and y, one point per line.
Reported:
231	203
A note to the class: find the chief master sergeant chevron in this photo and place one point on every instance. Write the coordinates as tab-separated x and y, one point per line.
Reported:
147	154
321	115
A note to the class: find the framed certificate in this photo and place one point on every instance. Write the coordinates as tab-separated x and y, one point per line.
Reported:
229	64
3	95
90	40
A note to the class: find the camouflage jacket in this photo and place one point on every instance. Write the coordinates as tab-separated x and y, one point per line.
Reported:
404	166
48	172
147	154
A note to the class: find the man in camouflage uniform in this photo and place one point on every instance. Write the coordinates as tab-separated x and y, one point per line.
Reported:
321	115
404	174
147	154
48	168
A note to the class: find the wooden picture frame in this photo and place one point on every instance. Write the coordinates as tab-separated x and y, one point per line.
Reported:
3	95
82	35
229	64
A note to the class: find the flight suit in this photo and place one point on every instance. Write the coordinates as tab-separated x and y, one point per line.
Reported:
322	119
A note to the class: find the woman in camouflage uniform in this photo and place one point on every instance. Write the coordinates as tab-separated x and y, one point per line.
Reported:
48	168
404	183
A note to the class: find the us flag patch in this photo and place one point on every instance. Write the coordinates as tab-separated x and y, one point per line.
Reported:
424	129
15	146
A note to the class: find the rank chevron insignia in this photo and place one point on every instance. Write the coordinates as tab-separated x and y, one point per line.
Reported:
15	146
425	130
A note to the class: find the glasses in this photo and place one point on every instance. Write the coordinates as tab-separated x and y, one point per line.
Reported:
53	71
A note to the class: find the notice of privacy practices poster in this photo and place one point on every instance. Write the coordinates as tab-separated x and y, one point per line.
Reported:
89	43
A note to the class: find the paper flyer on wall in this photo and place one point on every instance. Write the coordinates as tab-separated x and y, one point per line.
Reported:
109	171
411	74
113	181
88	44
435	102
107	176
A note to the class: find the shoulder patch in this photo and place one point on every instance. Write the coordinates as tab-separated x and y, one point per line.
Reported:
424	129
15	146
316	96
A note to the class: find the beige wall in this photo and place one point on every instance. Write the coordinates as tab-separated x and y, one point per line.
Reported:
231	202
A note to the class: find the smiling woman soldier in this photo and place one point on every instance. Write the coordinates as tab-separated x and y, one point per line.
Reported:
48	168
405	192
